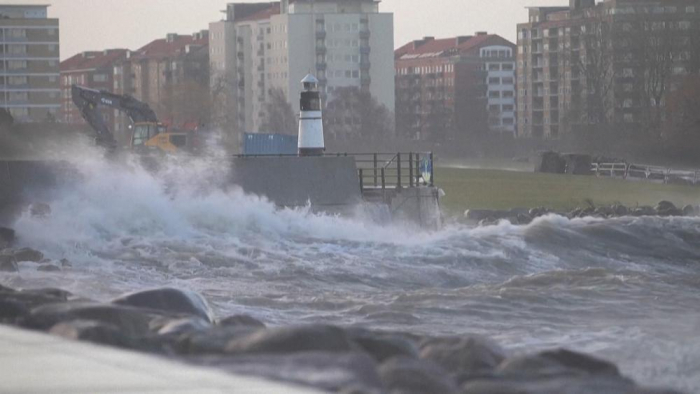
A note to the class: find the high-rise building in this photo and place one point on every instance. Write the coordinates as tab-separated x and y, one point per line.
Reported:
29	63
448	88
610	63
264	47
92	70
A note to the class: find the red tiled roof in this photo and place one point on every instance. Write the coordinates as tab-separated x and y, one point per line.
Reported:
274	9
448	46
92	60
164	48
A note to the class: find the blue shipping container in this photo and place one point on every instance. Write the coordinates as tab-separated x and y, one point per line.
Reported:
269	144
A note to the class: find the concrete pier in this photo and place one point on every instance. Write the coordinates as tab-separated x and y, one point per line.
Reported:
34	363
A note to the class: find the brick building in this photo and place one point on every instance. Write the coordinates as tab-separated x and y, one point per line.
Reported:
29	63
611	63
451	88
89	69
171	75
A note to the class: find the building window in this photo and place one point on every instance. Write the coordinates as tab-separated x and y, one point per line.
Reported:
18	96
629	118
508	81
17	64
627	103
494	94
494	108
494	67
17	80
508	108
17	49
690	9
507	67
494	81
508	121
628	72
99	78
17	33
508	94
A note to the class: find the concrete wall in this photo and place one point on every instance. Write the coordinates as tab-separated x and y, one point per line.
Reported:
329	183
26	182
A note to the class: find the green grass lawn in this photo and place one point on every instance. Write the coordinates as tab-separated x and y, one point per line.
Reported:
497	189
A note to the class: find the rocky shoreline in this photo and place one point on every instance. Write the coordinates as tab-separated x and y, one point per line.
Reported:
180	325
484	217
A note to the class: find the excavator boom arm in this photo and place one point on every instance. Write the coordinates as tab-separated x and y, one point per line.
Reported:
88	102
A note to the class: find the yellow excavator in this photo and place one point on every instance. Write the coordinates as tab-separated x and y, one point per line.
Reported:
147	132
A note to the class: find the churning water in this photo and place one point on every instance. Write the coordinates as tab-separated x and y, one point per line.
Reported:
625	289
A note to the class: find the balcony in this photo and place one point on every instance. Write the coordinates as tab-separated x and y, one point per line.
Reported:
321	49
365	79
321	66
365	34
321	34
364	66
365	50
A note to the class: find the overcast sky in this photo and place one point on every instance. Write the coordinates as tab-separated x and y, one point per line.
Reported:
102	24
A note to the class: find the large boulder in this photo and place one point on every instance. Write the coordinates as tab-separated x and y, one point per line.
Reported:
464	357
169	300
666	208
552	163
383	346
689	210
293	340
327	371
130	321
240	321
28	254
211	341
407	375
559	385
92	331
178	326
15	305
556	362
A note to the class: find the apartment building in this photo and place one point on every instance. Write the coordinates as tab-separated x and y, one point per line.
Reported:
171	75
449	88
261	47
89	69
29	63
610	63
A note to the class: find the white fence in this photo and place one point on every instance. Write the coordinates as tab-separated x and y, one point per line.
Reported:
646	173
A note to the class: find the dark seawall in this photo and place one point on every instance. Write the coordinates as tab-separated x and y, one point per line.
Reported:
24	182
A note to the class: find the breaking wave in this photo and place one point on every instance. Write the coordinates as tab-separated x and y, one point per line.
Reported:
627	289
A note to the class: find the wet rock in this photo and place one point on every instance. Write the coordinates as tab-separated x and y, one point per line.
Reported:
48	268
620	210
559	385
293	340
40	210
328	371
414	376
28	254
19	304
644	211
130	321
8	263
524	219
383	346
65	263
174	327
604	212
7	237
666	208
92	331
169	300
211	341
689	210
464	356
556	362
241	320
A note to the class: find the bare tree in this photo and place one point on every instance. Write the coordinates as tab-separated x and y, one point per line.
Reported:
187	102
355	113
595	65
279	116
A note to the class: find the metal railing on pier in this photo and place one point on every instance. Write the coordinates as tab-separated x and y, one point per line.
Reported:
387	171
646	173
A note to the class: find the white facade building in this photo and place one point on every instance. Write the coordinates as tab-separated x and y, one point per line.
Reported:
500	81
266	46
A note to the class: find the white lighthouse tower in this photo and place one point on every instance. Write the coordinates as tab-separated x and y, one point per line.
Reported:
311	141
